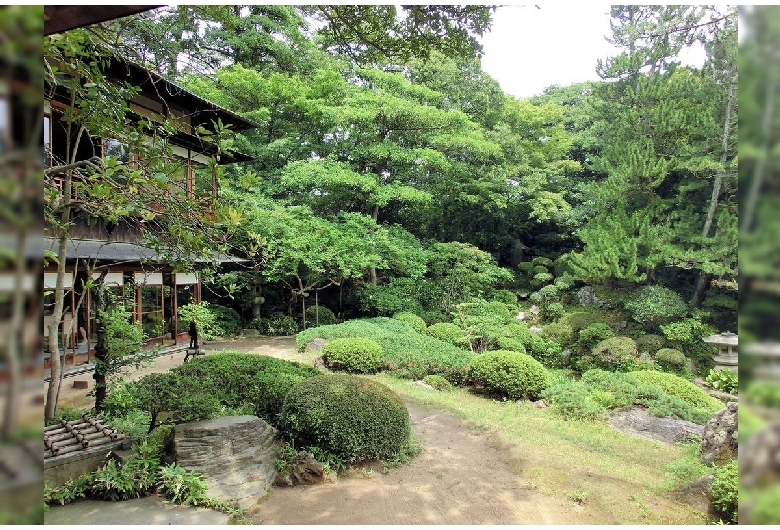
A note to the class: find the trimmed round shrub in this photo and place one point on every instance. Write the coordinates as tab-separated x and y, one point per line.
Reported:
581	319
653	303
438	382
553	311
319	316
558	332
682	388
447	332
508	373
353	354
650	343
670	360
616	354
725	491
541	260
351	417
512	344
413	320
593	334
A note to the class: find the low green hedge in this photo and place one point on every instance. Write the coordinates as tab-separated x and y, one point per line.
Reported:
677	386
507	373
353	354
438	382
319	316
354	418
413	320
408	354
447	332
615	353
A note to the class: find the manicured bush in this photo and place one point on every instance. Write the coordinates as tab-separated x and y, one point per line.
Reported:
408	354
581	319
278	324
677	386
725	491
652	304
319	316
573	401
354	418
438	382
650	343
543	261
545	350
670	360
593	334
615	354
447	332
553	311
353	354
724	380
510	374
618	389
505	296
512	344
559	332
417	323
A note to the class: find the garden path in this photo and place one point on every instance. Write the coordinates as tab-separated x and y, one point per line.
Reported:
460	477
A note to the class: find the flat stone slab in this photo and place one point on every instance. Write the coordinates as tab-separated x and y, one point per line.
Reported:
639	422
143	511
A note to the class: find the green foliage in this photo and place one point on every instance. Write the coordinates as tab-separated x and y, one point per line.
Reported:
650	343
510	374
318	316
618	389
670	360
408	354
482	322
353	354
764	503
677	386
355	418
447	332
593	334
278	324
763	394
505	296
725	491
122	336
417	323
552	311
213	321
559	332
573	401
686	334
614	353
180	485
654	303
438	382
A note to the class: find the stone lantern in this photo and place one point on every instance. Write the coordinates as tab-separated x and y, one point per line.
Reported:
726	357
767	354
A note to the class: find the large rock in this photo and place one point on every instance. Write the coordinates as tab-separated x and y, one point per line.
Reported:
667	430
759	458
697	494
719	443
235	454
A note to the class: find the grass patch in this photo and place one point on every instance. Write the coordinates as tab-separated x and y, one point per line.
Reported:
559	456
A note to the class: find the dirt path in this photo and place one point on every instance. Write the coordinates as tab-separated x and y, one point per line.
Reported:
458	478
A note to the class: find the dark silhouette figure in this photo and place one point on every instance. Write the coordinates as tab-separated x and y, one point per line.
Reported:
193	333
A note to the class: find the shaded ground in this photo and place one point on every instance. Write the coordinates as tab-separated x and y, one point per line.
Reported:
460	477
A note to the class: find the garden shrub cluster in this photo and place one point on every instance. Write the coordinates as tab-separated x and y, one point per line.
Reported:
354	418
508	374
438	382
600	390
212	385
725	491
447	332
650	343
213	321
407	354
652	304
277	324
615	354
677	386
670	360
319	316
353	354
417	323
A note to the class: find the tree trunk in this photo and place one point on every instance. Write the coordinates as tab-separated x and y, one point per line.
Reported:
101	348
52	395
703	279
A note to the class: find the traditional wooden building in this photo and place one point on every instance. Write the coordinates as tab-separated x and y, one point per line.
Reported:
138	273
